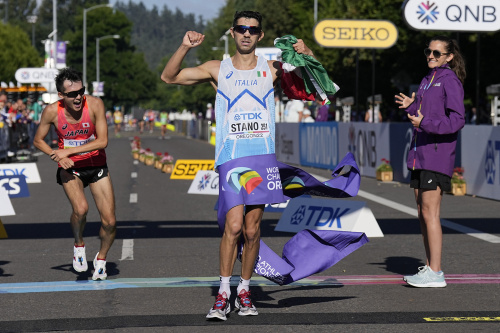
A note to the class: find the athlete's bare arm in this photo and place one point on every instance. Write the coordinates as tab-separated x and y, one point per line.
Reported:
98	116
49	117
207	72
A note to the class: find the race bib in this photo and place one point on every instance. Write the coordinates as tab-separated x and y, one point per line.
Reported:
249	125
76	143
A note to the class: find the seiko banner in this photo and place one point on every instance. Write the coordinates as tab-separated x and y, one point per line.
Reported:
187	169
319	144
369	143
453	15
374	34
287	143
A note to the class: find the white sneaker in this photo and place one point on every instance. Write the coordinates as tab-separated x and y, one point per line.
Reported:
244	304
79	259
99	269
428	279
220	309
421	270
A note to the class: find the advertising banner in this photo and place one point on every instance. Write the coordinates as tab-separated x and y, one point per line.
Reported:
29	170
374	34
328	214
287	143
453	15
15	186
369	143
481	145
6	208
400	142
187	169
319	144
205	182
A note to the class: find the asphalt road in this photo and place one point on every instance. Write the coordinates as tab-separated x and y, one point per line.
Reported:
163	266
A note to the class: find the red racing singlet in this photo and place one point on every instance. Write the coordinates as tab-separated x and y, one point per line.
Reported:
74	135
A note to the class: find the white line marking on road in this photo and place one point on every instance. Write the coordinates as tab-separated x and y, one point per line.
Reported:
413	212
133	175
133	198
128	249
136	162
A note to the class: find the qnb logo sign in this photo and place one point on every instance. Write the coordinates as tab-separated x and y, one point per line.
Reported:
427	12
319	216
453	15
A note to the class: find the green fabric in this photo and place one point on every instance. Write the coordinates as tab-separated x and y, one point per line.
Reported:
306	63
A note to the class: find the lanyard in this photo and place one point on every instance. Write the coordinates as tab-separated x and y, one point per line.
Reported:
420	108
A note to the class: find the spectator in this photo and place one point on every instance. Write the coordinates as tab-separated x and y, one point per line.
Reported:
306	117
293	111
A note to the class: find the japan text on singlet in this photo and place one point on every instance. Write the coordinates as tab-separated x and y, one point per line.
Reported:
244	109
74	135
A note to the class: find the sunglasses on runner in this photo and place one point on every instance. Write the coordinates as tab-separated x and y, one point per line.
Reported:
437	54
74	94
241	29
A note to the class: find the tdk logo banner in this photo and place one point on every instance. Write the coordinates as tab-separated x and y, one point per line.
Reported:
21	169
15	186
328	214
319	214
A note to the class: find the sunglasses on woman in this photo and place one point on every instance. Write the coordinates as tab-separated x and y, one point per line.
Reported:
437	54
241	29
74	94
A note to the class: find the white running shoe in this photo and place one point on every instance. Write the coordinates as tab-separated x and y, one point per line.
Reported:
220	309
79	259
99	269
244	304
421	270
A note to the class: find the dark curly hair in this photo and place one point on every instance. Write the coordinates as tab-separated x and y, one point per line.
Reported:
69	74
247	14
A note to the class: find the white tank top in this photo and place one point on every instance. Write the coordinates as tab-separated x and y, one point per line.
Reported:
244	109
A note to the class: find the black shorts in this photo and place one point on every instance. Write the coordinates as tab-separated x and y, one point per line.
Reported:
87	175
430	180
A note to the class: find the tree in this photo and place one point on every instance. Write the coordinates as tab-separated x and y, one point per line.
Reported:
128	81
16	52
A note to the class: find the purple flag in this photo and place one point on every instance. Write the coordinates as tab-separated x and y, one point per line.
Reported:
252	181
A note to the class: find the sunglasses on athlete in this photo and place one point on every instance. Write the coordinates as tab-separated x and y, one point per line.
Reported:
437	54
241	29
74	94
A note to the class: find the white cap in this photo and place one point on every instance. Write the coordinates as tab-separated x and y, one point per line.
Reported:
306	112
209	105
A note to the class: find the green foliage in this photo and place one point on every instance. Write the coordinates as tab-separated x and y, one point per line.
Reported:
16	52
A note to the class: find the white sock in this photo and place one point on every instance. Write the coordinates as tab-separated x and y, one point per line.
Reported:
244	284
225	285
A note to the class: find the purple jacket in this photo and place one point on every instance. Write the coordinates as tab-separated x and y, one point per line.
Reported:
444	115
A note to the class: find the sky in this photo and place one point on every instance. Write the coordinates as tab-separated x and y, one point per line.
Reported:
209	9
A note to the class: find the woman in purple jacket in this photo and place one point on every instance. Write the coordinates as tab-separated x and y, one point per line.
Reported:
437	114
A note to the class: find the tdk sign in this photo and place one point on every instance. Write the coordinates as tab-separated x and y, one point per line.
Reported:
320	214
328	214
15	186
248	116
453	15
